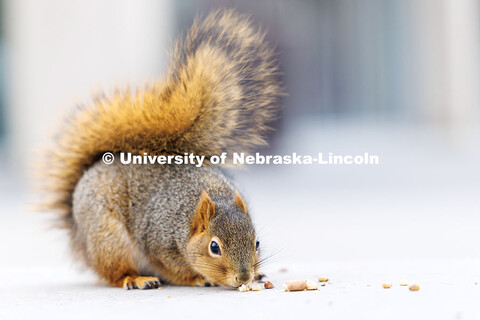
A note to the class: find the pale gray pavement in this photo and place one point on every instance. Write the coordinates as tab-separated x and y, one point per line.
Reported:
413	218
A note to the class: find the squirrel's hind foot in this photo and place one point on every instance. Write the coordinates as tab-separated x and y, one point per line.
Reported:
136	282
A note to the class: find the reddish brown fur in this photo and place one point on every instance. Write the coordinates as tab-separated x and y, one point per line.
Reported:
205	211
240	203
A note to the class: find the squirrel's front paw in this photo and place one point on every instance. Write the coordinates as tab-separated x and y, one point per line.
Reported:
259	276
210	284
201	282
142	283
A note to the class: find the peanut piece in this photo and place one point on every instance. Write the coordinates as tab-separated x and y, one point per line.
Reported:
295	285
386	285
323	279
254	287
242	288
414	287
269	285
311	285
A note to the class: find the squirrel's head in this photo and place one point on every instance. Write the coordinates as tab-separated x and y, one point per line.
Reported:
223	246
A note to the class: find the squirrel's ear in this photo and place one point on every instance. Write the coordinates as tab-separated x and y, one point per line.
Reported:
240	203
205	212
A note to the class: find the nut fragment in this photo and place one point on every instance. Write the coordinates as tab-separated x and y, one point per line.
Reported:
254	287
242	288
414	287
403	284
386	285
323	279
295	285
311	285
269	285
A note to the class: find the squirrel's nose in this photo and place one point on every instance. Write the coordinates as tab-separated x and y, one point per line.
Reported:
244	276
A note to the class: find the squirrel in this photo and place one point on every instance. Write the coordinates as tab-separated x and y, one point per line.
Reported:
138	226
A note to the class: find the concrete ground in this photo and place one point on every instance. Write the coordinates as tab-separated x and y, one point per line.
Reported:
414	218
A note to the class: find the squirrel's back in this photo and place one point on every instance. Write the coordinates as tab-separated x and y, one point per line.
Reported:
220	94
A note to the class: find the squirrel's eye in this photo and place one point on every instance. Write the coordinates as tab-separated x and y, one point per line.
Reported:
257	244
214	248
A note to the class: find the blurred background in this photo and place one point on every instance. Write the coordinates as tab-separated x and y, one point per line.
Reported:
396	78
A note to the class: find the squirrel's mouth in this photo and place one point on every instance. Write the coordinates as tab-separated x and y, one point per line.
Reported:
230	284
233	282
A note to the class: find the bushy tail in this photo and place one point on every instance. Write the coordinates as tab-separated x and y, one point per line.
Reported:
220	94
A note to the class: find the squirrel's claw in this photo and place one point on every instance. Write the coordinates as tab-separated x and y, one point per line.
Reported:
127	284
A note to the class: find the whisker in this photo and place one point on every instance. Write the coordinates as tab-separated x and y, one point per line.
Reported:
266	259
